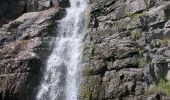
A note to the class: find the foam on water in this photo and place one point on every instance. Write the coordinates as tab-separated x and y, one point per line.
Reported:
62	73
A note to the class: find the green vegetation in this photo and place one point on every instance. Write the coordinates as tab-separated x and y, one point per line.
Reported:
164	42
117	24
136	34
86	93
142	59
162	86
135	15
146	3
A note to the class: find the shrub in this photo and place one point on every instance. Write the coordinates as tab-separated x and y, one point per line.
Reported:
162	86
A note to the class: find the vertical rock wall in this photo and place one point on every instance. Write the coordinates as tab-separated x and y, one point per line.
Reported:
126	49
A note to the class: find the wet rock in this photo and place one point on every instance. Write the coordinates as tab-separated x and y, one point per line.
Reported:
23	51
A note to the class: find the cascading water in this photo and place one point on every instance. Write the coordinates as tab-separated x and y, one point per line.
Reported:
62	74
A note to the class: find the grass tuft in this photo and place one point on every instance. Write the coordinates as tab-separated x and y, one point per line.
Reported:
162	86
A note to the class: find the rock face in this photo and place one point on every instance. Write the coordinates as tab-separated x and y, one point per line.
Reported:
34	5
25	43
126	49
12	9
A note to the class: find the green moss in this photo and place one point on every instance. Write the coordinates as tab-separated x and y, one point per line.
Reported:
146	3
162	86
142	59
86	93
130	14
136	34
86	90
86	70
135	15
164	42
117	24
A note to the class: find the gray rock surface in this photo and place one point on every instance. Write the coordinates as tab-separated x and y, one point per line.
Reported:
130	39
126	47
25	43
12	9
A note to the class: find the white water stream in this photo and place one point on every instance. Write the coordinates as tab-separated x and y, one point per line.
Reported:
62	74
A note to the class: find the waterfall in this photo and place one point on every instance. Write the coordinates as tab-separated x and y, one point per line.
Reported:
61	78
